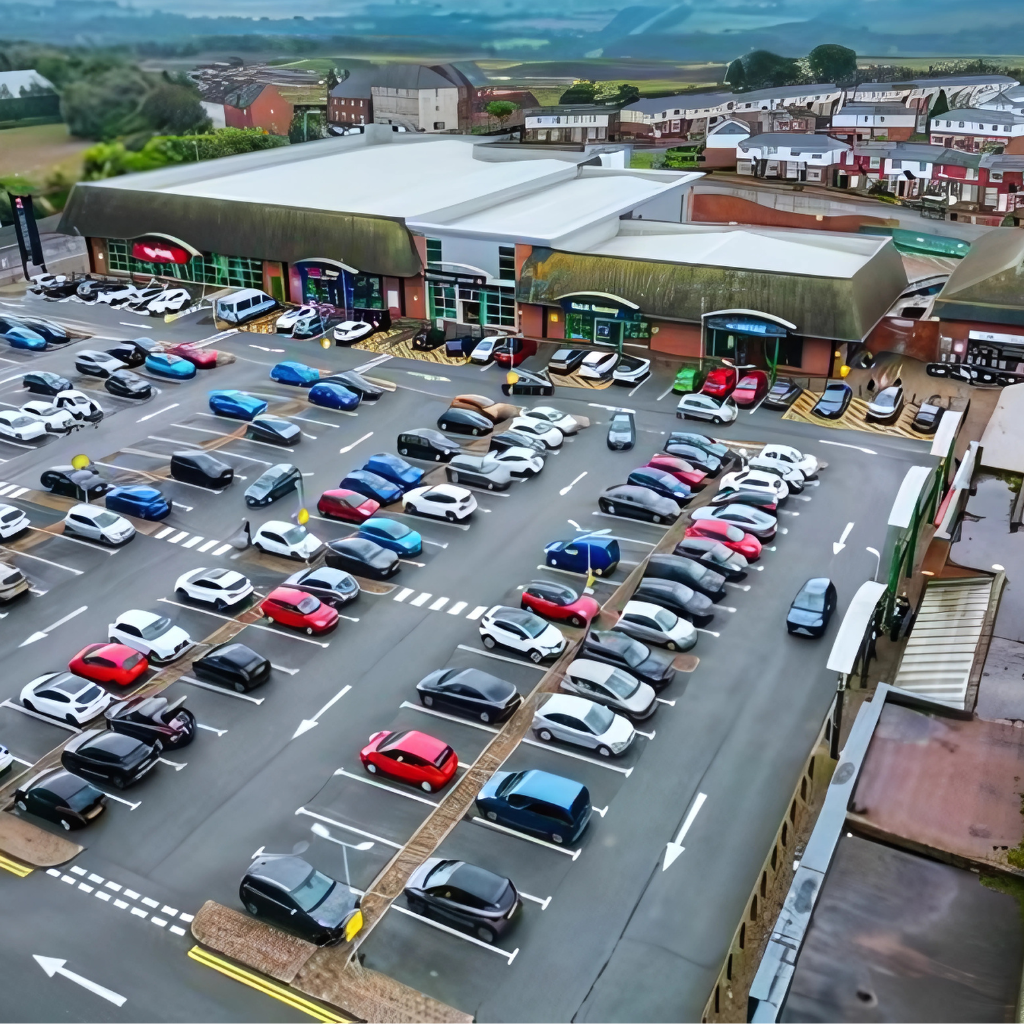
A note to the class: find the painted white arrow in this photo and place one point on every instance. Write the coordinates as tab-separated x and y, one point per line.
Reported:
855	447
674	849
349	447
836	548
308	723
565	490
53	966
49	629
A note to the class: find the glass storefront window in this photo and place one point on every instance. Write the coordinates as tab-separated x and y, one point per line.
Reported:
434	253
209	268
754	348
499	306
581	326
367	292
442	302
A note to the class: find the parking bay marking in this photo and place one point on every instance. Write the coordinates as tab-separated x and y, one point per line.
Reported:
56	565
502	657
249	625
73	540
43	633
210	728
738	586
390	789
569	572
42	718
176	765
220	689
626	519
431	520
351	828
166	408
121	800
459	935
572	854
309	723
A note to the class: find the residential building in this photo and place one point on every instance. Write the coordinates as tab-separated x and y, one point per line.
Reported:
303	90
422	99
258	106
976	129
721	144
522	98
350	102
579	123
1010	99
795	157
921	94
861	121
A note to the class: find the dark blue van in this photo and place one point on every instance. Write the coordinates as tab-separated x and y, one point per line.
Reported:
533	801
141	501
600	554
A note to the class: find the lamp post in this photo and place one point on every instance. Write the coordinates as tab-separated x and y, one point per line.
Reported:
878	562
325	833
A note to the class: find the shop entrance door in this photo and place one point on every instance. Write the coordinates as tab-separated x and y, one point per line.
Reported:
470	312
608	332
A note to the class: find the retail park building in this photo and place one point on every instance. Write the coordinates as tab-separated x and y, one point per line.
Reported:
555	244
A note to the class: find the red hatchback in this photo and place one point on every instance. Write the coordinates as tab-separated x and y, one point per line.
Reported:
680	469
731	536
202	358
412	757
559	602
350	506
720	382
752	388
299	610
109	663
522	349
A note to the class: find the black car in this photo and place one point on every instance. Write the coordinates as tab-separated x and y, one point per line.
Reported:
928	415
356	383
42	382
782	394
333	586
566	360
233	665
126	384
273	430
429	445
81	484
639	660
59	289
133	353
153	718
275	483
638	503
812	608
362	557
621	432
53	333
428	338
463	896
460	346
291	893
111	757
834	401
678	598
61	797
697	457
688	572
464	421
201	469
715	555
529	383
707	444
742	496
468	691
514	439
662	483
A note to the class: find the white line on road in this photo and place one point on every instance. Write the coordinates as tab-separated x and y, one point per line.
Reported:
250	625
838	546
42	718
710	632
738	586
220	689
350	828
627	519
41	634
459	935
53	966
578	757
502	657
573	854
84	543
166	408
665	392
674	849
309	723
855	447
382	785
661	700
349	447
210	728
565	490
56	565
281	668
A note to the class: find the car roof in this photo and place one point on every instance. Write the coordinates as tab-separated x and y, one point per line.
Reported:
555	789
642	608
421	744
137	617
587	668
450	489
520	616
285	872
566	704
818	585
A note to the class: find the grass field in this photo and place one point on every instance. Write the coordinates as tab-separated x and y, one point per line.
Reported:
38	152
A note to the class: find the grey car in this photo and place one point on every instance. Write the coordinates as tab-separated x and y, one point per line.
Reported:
653	624
746	517
583	724
715	555
613	687
480	470
634	502
97	364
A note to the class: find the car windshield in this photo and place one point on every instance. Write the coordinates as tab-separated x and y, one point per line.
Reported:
599	719
392	529
296	535
105	519
622	684
620	423
130	663
811	600
886	399
720	553
263	485
633	653
532	627
313	891
156	628
442	873
80	800
308	605
665	619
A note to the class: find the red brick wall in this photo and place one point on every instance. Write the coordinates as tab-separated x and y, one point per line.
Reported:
676	339
271	112
917	338
555	322
531	319
415	297
236	117
817	357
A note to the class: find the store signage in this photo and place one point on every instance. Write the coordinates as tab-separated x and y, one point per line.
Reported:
444	277
159	250
744	326
587	307
30	247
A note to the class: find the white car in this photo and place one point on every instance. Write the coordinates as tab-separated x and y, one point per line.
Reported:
606	684
98	523
519	629
784	453
352	330
219	587
598	365
66	696
140	303
756	480
170	300
794	477
707	407
6	759
118	296
12	521
444	501
583	723
56	421
150	634
21	426
80	405
631	370
541	430
554	417
652	624
484	351
286	539
522	462
285	323
97	364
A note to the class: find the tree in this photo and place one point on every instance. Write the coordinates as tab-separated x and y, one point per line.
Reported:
306	126
583	90
622	97
736	75
831	62
940	106
106	105
765	70
501	110
172	109
332	79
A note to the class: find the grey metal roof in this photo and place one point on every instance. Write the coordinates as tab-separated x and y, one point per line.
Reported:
985	285
245	96
356	85
798	142
921	151
980	114
860	107
570	108
697	100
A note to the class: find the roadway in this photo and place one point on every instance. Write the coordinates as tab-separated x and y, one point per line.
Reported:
609	936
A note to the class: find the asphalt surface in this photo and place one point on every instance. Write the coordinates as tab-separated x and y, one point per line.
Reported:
609	935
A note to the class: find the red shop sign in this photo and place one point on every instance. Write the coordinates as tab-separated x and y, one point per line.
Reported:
158	250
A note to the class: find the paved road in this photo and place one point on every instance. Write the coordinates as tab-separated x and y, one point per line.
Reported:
619	939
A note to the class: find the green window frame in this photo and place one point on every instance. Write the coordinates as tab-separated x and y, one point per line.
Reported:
442	301
507	262
207	268
434	253
498	307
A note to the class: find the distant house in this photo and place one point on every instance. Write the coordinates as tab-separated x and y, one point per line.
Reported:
790	156
258	106
720	147
970	128
862	121
25	96
573	123
422	99
350	102
920	94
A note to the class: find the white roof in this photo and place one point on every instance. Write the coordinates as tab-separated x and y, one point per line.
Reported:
14	81
1001	444
855	622
908	496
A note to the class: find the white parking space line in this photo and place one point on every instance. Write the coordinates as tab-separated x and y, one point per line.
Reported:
73	540
206	547
578	575
438	604
198	430
349	447
459	935
251	625
447	717
536	899
577	757
192	542
176	765
403	594
42	718
573	854
131	805
319	423
281	668
710	632
265	444
210	728
166	408
350	828
665	392
431	520
456	608
37	558
661	700
502	657
626	519
249	458
418	602
220	689
383	785
173	440
477	612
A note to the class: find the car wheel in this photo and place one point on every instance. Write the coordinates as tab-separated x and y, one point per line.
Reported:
485	716
240	687
119	782
22	806
426	787
655	519
553	561
555	838
576	621
475	432
411	509
454	477
309	630
599	572
70	719
604	751
251	907
428	701
485	935
536	657
29	705
489	642
444	426
717	420
181	594
545	735
490	487
437	458
371	768
66	825
613	510
671	645
219	605
450	516
256	544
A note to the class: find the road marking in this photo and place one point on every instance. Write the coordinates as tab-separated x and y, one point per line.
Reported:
250	625
166	408
573	854
53	966
390	789
674	849
41	634
856	447
350	828
457	608
349	447
565	490
438	604
577	757
477	612
431	520
309	723
177	537
610	408
281	668
21	870
210	728
129	804
84	543
738	586
536	899
786	512
319	423
502	657
838	546
37	558
447	717
176	765
165	532
626	519
403	594
192	542
421	600
665	392
220	689
459	935
661	700
569	572
222	549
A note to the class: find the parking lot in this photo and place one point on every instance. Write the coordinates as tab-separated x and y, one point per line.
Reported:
601	921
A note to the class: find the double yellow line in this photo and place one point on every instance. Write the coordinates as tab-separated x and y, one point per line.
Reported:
15	867
269	988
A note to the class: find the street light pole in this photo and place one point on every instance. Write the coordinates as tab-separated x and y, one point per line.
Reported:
324	833
878	563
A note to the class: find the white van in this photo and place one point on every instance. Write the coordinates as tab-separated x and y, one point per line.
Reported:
243	305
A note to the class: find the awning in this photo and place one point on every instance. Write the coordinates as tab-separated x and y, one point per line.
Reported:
855	624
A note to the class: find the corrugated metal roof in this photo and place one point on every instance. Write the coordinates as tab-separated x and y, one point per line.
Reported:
986	286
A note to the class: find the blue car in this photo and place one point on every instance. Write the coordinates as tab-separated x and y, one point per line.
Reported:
236	404
394	536
598	554
397	470
298	374
141	501
333	396
662	483
536	802
372	486
21	337
163	364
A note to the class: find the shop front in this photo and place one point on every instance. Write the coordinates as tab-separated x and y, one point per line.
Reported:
327	282
604	320
467	298
750	338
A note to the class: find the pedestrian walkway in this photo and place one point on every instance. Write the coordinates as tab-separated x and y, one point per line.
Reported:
12	490
184	539
437	604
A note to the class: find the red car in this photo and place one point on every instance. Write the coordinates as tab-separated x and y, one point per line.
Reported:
720	382
559	602
202	358
109	663
299	610
753	386
412	757
522	348
731	536
350	506
680	469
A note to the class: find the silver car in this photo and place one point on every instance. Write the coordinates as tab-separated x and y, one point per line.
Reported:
583	724
482	470
521	462
653	624
97	364
12	582
98	524
611	686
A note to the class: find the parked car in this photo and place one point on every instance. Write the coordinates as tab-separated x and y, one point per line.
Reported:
371	485
274	430
21	426
599	365
566	360
749	519
793	477
12	583
483	351
153	718
222	588
274	483
774	487
583	723
125	384
464	421
679	468
61	797
709	464
720	382
656	625
362	557
443	501
688	572
52	332
42	382
394	536
656	668
81	406
412	757
621	432
782	394
482	470
94	363
759	499
834	401
236	404
599	555
395	470
605	684
349	506
634	502
552	417
170	300
350	331
662	483
707	407
518	629
470	692
201	470
357	384
153	635
428	338
787	455
430	445
299	610
98	523
286	539
333	586
110	757
133	353
529	384
558	602
715	555
520	462
886	406
928	415
74	483
200	358
536	803
232	665
116	664
12	521
515	439
751	388
66	697
688	379
631	371
704	443
677	597
812	608
21	337
332	396
244	305
513	351
459	347
139	500
165	364
297	374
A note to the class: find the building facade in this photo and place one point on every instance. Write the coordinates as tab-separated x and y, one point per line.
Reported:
794	157
976	129
580	123
258	106
859	122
